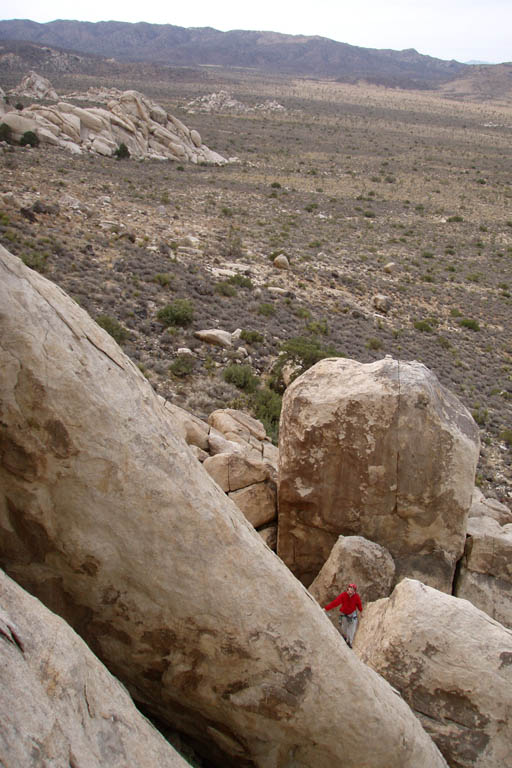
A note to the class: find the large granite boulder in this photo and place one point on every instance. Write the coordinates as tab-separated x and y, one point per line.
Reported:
379	450
355	559
484	575
35	86
109	519
59	706
453	666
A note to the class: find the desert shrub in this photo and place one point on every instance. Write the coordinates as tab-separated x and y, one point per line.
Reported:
318	326
469	322
427	255
423	325
303	352
5	132
241	376
506	436
266	405
267	310
163	278
113	327
29	138
225	289
275	185
251	337
373	343
179	312
182	366
122	152
35	260
241	281
233	245
456	219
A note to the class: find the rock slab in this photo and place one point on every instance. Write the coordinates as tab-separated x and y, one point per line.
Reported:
453	666
59	706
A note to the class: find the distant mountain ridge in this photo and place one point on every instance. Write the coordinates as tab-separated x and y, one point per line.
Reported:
265	51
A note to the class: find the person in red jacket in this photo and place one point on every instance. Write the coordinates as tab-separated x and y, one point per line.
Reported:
349	603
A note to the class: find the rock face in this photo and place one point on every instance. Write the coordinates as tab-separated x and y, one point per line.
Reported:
354	559
132	119
485	573
59	705
378	450
106	515
451	663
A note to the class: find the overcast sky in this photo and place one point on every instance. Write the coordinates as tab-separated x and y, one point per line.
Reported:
447	29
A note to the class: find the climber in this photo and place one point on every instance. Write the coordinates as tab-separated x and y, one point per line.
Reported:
349	603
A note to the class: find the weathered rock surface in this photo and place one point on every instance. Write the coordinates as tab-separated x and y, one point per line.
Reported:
352	463
451	663
222	101
132	119
59	706
34	86
485	573
482	507
355	559
103	511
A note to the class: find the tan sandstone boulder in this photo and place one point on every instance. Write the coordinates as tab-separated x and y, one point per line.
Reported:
59	706
485	573
482	507
106	515
451	663
355	559
379	450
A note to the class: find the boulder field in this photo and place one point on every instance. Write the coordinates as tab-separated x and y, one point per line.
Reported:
107	516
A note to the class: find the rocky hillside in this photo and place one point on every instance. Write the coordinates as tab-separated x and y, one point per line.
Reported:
264	51
357	222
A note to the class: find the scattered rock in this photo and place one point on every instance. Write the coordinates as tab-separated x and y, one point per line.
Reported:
381	302
215	336
281	262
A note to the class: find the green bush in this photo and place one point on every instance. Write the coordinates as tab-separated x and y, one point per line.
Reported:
266	405
468	322
113	327
251	337
225	289
456	219
179	312
303	352
29	138
122	152
163	278
267	310
506	436
422	325
182	366
241	376
35	260
241	281
5	132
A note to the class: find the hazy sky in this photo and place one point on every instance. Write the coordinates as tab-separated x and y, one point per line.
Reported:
448	29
